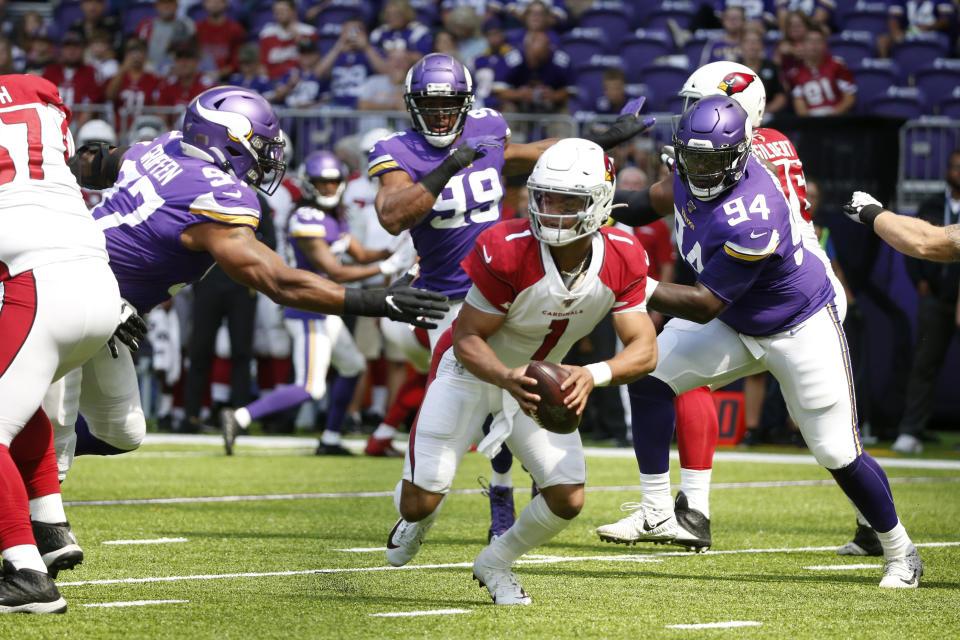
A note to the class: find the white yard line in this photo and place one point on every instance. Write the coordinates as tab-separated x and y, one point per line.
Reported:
435	612
386	494
291	442
153	541
361	549
134	603
716	625
645	557
842	567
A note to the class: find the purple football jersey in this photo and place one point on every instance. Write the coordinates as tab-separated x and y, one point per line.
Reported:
159	193
308	222
747	249
470	202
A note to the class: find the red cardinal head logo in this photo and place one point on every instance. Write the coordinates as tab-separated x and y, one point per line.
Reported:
610	171
736	82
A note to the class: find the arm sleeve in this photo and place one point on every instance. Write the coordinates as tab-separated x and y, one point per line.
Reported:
638	210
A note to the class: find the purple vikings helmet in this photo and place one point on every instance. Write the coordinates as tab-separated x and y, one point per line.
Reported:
237	130
434	76
323	165
712	143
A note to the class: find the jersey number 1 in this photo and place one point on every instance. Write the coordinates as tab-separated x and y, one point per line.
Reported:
31	119
557	327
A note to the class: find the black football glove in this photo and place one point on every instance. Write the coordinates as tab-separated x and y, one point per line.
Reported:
96	165
399	302
131	331
626	126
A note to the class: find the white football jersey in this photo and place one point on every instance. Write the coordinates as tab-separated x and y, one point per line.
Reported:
514	274
42	211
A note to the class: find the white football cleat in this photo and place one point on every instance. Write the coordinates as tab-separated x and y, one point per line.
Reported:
906	443
643	525
405	539
903	572
503	584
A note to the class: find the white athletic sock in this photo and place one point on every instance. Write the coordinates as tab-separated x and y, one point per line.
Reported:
535	525
895	542
24	556
695	484
384	432
501	479
243	417
378	400
656	491
330	438
165	406
48	509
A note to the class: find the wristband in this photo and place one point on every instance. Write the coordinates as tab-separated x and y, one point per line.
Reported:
869	213
601	373
357	302
651	287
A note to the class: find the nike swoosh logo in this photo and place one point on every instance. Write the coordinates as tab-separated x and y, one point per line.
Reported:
648	527
390	544
757	235
233	194
485	256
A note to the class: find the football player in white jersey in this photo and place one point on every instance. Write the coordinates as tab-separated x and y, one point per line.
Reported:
60	305
538	286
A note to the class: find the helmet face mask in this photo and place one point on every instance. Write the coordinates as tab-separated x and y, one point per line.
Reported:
712	144
570	192
438	92
320	171
237	130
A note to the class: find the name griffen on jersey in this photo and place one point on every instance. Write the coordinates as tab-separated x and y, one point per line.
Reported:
159	194
470	202
42	211
746	246
307	222
514	275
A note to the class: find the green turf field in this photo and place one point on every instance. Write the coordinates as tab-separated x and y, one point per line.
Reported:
299	566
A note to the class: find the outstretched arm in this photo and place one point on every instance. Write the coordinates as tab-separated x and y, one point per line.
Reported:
637	208
912	236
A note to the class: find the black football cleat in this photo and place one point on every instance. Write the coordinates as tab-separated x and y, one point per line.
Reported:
865	543
693	528
58	546
332	450
29	591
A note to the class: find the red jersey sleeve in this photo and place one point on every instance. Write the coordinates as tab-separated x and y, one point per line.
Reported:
504	261
624	270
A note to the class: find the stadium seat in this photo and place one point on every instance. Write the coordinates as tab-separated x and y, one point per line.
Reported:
260	19
853	46
339	15
898	102
873	82
950	107
582	44
615	25
693	50
664	82
590	84
643	51
912	55
938	80
65	14
679	12
873	21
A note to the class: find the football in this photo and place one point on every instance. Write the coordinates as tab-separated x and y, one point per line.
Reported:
551	414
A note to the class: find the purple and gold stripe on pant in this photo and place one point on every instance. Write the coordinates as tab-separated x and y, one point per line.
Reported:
848	369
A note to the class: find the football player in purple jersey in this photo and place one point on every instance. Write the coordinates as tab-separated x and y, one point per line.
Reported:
763	302
443	180
181	203
317	236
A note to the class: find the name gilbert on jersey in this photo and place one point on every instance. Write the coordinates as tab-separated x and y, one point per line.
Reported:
775	149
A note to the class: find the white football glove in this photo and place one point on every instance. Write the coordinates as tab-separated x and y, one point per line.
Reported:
858	201
403	256
668	155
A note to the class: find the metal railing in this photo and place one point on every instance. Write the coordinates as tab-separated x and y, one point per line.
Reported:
925	147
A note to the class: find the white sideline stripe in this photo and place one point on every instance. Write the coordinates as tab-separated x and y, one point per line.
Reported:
716	625
435	612
386	494
293	442
841	567
361	549
134	603
645	557
153	541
